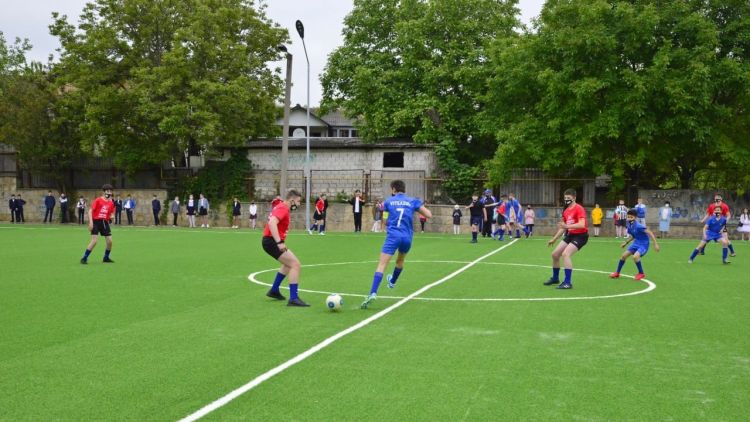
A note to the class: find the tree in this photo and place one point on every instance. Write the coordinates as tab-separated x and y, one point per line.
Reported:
418	69
156	78
634	89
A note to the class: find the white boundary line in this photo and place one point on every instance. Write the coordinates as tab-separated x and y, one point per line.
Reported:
205	410
650	285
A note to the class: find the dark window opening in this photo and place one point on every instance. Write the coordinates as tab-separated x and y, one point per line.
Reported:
393	159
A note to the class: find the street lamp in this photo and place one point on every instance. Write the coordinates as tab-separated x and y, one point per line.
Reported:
301	32
285	135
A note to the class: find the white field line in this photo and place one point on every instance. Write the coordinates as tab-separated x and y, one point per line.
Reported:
205	410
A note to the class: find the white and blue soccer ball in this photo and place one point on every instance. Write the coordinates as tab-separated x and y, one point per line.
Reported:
334	302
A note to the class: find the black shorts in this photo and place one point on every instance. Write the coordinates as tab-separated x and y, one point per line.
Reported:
236	214
253	216
271	248
500	219
597	225
101	227
319	216
579	239
476	221
190	210
621	222
203	211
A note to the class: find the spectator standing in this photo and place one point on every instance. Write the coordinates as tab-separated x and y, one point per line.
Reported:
377	216
621	216
64	208
357	204
236	213
156	209
191	211
640	210
49	205
174	207
19	209
81	208
488	202
12	207
744	227
528	220
665	218
118	210
596	219
422	221
203	207
457	214
129	209
253	212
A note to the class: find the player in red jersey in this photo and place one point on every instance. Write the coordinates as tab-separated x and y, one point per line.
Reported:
719	203
100	214
319	216
274	236
576	235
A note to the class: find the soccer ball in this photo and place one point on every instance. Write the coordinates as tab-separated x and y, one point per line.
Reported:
334	302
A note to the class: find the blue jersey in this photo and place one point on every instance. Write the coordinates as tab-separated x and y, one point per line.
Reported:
638	231
716	226
640	209
401	210
515	206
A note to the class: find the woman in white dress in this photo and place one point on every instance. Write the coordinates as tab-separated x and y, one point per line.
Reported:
665	217
744	227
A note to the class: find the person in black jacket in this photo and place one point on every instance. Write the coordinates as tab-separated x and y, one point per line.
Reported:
357	205
63	208
19	209
236	212
49	205
12	206
156	208
118	210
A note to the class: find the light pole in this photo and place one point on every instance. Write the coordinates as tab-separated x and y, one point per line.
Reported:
301	32
285	135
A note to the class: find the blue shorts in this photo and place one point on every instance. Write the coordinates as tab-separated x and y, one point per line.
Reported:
713	236
639	247
394	243
476	221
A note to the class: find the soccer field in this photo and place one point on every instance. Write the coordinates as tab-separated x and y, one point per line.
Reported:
177	323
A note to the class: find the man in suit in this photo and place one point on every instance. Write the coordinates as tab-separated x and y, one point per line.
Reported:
357	203
12	206
64	208
19	209
156	208
49	205
118	210
129	206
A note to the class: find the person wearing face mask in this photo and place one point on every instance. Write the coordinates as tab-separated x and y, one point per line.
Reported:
665	218
100	214
713	230
274	236
576	235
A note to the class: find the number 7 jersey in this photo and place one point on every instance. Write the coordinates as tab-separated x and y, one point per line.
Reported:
401	209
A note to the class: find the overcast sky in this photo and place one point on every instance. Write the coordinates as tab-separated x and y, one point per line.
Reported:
323	20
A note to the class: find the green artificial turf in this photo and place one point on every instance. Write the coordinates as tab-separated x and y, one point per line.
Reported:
175	324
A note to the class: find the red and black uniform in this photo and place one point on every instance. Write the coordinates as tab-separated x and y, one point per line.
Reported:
572	215
281	212
724	209
320	207
101	212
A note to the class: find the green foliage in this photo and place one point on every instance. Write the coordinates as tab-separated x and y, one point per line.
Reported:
219	181
154	79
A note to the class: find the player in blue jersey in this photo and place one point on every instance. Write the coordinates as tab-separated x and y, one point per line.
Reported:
641	238
714	231
401	210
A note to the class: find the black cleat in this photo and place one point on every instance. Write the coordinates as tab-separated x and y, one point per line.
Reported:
108	261
275	294
84	261
297	302
565	286
551	281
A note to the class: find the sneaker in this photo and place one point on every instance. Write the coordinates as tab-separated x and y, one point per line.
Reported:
690	261
551	281
726	262
614	275
84	261
565	286
703	251
309	232
275	294
108	261
371	298
297	302
732	254
639	276
473	241
322	234
388	279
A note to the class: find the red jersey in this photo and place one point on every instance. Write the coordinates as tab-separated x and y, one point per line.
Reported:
573	215
276	201
724	209
319	206
281	212
501	209
102	209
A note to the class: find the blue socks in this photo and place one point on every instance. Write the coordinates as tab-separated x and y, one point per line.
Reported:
322	228
106	253
724	254
556	274
474	235
396	273
619	265
293	291
518	233
313	227
502	234
694	254
277	282
731	248
640	267
568	275
86	254
378	278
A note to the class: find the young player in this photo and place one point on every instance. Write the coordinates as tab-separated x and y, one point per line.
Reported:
640	208
621	212
100	214
500	222
319	216
477	213
576	235
513	216
399	237
641	238
719	203
713	231
274	236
